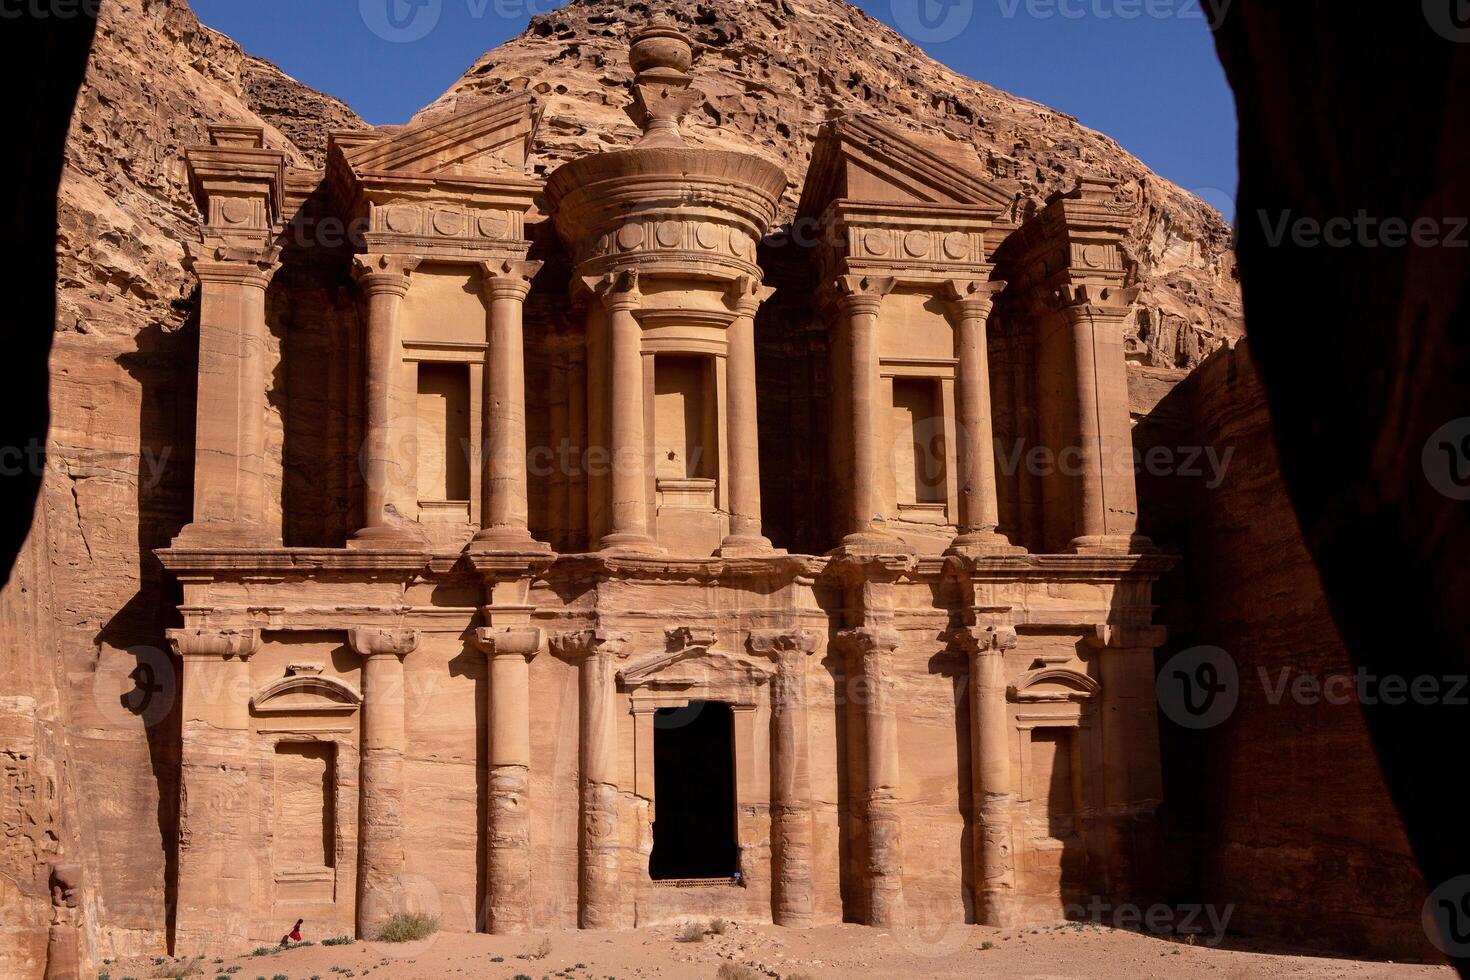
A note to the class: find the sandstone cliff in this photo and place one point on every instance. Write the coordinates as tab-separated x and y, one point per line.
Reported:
84	745
85	735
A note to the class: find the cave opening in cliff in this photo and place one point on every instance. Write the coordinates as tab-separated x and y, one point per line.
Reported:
694	792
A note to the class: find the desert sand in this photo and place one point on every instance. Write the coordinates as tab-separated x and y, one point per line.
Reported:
845	951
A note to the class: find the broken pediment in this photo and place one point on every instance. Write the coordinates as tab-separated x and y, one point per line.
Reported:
694	669
306	691
858	159
1053	683
487	138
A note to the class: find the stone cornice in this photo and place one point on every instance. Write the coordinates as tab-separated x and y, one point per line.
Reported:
226	563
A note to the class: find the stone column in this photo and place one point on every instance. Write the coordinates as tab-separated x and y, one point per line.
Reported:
388	510
598	847
979	517
628	526
791	789
229	427
858	300
991	731
506	527
745	535
872	648
1107	501
217	887
380	779
1132	783
508	830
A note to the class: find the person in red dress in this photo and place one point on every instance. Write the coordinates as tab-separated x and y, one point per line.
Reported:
294	936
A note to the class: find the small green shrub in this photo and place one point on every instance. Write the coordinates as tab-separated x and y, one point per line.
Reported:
408	927
339	941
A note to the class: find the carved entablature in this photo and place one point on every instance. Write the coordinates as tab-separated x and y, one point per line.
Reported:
878	201
239	187
1076	240
450	188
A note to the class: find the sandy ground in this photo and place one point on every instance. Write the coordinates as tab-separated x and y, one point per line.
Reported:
846	951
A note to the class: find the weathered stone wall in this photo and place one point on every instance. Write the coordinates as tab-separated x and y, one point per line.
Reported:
1279	810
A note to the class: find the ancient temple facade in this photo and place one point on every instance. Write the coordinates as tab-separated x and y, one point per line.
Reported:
587	549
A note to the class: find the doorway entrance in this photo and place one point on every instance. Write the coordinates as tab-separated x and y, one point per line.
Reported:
694	792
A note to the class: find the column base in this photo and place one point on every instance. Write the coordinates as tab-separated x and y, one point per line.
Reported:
629	542
747	546
871	540
211	535
1113	544
508	538
405	536
978	544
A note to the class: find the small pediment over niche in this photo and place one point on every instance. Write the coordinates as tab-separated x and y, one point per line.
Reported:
714	675
483	138
306	692
1053	683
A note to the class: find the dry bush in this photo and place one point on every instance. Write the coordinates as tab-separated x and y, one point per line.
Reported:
719	926
408	927
734	971
692	932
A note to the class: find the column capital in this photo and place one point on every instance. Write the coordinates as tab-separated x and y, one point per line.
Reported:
616	290
221	643
861	294
745	294
504	641
969	298
213	262
508	278
865	641
1088	300
774	642
374	642
381	273
580	644
978	640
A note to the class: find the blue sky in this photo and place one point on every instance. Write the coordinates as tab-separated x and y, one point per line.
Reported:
1142	71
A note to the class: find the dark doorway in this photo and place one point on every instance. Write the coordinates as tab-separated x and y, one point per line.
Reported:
694	792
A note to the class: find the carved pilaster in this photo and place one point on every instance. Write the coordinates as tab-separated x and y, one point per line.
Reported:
218	885
745	537
598	851
994	877
791	791
870	655
508	754
380	808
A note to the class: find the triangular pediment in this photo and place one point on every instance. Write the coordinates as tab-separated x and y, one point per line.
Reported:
488	138
858	159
